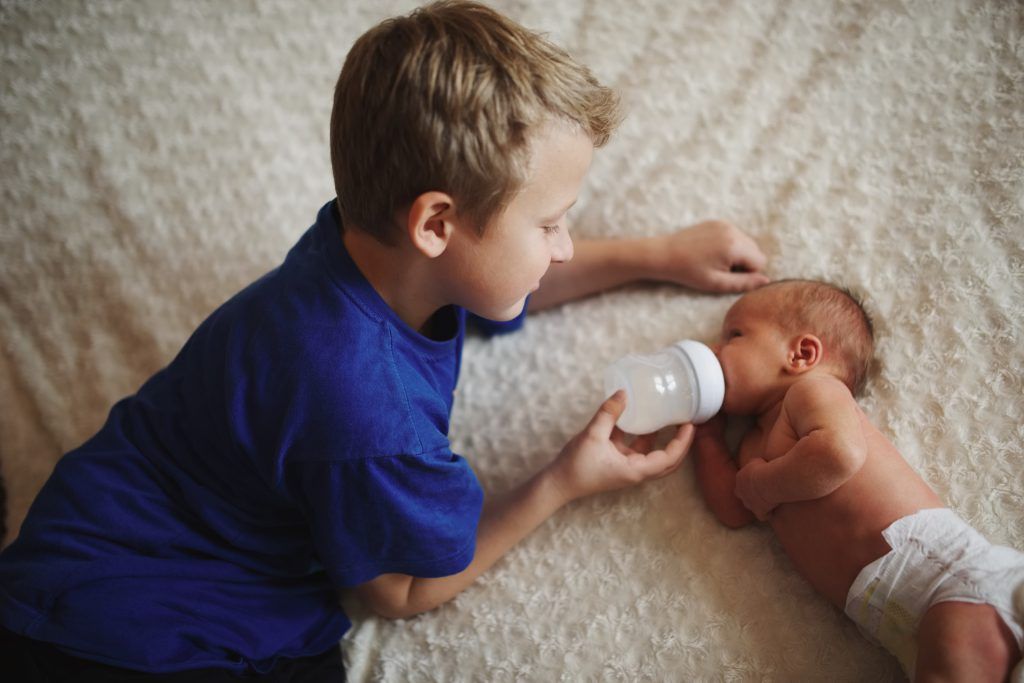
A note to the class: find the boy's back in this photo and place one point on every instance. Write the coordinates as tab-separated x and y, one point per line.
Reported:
223	496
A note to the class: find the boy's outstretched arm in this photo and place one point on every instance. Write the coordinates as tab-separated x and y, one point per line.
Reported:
716	475
831	448
595	460
713	256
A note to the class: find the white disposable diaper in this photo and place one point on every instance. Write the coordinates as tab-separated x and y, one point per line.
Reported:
936	557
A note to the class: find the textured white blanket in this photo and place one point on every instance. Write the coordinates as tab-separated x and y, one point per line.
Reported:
157	156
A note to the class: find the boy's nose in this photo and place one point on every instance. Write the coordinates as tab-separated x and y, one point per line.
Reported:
563	249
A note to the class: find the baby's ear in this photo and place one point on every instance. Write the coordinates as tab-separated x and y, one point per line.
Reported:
805	352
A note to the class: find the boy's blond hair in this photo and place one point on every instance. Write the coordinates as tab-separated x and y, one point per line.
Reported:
835	315
446	99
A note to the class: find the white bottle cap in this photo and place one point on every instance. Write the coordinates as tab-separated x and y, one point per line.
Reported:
710	385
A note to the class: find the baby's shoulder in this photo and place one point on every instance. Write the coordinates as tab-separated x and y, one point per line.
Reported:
817	389
817	401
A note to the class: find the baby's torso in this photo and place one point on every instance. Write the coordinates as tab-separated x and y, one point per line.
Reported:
832	538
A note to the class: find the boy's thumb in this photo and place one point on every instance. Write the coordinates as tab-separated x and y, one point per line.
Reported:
608	414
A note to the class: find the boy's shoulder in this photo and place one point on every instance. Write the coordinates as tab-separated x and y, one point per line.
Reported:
311	350
353	383
318	305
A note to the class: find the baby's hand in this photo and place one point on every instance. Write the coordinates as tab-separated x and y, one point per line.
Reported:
598	458
714	256
712	430
746	490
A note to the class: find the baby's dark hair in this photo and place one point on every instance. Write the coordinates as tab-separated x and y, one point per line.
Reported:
837	316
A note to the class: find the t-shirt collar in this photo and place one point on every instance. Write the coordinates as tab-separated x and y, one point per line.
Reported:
348	276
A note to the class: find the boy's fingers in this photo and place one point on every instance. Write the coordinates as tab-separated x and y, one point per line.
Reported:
681	442
660	463
607	415
746	255
657	464
740	281
644	443
685	433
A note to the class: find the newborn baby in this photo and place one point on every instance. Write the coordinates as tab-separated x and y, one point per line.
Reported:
856	520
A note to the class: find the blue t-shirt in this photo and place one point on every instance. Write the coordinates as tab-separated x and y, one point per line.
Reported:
297	443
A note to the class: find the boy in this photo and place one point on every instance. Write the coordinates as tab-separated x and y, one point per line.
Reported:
856	520
298	442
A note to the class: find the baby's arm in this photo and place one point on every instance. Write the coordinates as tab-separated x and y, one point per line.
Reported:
830	448
716	475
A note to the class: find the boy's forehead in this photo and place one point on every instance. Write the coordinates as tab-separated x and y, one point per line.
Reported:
559	158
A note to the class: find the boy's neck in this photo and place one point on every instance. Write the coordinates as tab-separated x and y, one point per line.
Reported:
398	275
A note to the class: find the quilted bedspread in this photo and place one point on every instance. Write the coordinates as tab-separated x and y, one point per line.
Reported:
158	156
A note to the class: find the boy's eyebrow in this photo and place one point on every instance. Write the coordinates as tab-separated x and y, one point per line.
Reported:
559	214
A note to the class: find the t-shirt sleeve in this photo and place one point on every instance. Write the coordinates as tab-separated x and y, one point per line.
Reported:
490	328
415	514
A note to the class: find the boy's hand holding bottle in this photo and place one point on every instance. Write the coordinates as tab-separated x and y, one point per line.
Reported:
599	458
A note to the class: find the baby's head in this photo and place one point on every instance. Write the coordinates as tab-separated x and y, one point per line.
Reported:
450	99
773	335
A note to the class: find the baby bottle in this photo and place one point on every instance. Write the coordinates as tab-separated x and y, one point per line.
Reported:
681	383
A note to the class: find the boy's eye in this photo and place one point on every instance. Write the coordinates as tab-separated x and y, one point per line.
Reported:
550	229
732	334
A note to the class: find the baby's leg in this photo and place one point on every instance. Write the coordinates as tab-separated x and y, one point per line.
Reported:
963	641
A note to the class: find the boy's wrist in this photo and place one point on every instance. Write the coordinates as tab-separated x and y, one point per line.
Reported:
633	258
552	486
642	258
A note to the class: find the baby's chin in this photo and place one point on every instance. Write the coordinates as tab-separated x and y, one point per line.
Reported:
737	404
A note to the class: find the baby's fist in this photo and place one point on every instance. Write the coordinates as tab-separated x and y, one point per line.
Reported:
747	491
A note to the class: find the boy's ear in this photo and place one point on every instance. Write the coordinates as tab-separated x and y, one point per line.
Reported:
805	352
429	222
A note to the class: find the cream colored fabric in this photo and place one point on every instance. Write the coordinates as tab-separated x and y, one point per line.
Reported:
156	156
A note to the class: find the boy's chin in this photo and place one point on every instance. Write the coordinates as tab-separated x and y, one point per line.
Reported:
504	315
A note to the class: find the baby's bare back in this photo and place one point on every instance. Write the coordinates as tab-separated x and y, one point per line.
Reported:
831	539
